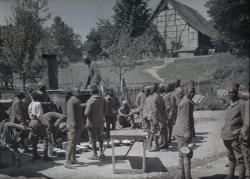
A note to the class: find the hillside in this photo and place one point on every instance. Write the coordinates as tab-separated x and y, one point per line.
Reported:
219	69
76	74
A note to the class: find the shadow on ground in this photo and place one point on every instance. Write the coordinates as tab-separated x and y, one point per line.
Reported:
29	170
218	176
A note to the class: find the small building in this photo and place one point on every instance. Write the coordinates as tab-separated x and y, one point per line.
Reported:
184	30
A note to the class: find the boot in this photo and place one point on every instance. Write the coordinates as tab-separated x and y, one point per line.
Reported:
231	166
155	147
187	168
242	171
94	150
150	141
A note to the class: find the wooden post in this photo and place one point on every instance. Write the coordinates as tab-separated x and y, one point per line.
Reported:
52	67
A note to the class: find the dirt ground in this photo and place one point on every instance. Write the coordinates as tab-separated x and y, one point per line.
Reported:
208	162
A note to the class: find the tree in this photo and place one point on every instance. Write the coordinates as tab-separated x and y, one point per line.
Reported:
69	43
231	18
22	36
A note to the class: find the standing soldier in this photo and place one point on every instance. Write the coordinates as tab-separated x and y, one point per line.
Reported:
146	110
156	115
245	140
171	108
74	127
184	131
140	100
231	131
94	76
164	123
95	111
178	91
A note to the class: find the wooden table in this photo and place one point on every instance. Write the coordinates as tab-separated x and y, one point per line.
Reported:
135	135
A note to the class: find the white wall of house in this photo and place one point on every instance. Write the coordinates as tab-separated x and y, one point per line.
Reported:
172	27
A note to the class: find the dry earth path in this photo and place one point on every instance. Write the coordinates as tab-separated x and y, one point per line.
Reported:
153	71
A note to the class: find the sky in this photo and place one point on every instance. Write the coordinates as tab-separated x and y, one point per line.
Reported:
82	15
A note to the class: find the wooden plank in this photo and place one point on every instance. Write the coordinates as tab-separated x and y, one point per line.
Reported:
130	171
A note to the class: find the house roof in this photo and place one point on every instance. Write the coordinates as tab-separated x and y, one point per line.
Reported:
190	16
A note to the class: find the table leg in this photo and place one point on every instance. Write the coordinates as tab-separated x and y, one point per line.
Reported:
113	155
144	156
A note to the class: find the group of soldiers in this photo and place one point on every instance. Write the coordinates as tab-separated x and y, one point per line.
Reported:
165	110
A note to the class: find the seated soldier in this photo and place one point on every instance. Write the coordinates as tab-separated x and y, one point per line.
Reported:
39	125
10	139
124	117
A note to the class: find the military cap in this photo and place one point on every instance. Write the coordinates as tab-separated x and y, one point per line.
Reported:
190	84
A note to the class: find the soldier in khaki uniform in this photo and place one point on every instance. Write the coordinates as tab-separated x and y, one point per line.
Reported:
94	76
140	100
231	131
245	139
156	115
74	123
184	131
146	109
164	123
95	111
171	107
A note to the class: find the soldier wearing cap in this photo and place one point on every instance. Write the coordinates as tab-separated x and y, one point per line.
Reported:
111	115
171	109
156	116
231	130
95	111
94	76
140	100
164	123
146	109
184	130
74	126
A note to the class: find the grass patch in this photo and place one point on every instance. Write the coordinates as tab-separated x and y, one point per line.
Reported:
76	74
219	69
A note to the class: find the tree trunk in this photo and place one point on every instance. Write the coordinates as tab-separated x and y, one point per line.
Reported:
24	80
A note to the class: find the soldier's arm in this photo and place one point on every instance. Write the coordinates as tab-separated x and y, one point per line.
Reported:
87	111
60	118
245	120
185	110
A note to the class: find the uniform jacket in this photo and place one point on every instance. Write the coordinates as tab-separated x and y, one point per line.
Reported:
140	100
74	113
96	108
157	108
184	126
233	120
94	74
246	126
18	112
147	107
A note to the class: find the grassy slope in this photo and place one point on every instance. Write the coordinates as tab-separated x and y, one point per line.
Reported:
76	73
218	68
